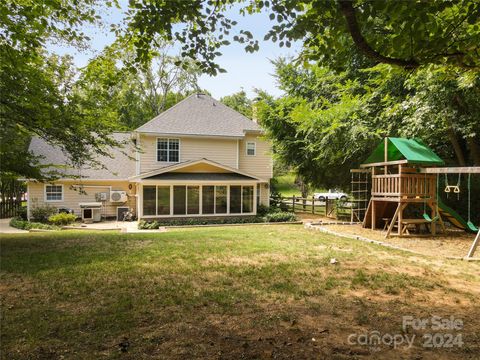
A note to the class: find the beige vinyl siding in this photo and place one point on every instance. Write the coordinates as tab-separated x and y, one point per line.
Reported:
72	198
264	195
223	151
259	165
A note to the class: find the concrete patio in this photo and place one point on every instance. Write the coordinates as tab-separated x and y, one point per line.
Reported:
5	227
122	226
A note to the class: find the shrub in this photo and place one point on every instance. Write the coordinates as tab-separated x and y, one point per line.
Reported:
42	213
262	210
273	215
155	224
280	217
62	219
275	196
22	213
18	223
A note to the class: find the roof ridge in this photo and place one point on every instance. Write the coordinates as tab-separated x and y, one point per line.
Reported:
166	111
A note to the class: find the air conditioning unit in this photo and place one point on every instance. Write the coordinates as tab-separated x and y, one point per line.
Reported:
118	196
101	196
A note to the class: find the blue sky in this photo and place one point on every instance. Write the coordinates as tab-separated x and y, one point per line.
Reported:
244	70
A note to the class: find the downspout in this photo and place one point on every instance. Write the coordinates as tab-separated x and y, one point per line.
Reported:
238	154
137	154
137	195
28	201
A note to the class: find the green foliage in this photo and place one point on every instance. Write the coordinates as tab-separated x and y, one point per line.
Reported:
263	210
155	224
281	217
22	213
134	94
27	225
239	102
336	32
42	213
265	214
62	219
329	122
37	88
275	195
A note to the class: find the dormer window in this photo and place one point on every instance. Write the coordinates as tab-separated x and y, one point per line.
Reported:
168	150
251	148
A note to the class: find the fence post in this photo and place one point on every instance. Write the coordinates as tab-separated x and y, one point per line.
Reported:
313	204
293	203
326	206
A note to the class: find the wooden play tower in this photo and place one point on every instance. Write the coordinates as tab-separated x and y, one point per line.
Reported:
397	183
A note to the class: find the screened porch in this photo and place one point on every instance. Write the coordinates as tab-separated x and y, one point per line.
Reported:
192	200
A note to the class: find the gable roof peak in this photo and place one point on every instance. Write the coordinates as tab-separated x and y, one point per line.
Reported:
200	114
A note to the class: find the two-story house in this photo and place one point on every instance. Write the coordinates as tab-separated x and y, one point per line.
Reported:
199	158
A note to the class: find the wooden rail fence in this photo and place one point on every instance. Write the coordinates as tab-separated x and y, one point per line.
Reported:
333	208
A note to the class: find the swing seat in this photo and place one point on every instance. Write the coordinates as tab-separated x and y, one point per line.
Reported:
429	219
472	226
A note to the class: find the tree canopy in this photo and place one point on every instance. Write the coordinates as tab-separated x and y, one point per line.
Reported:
36	87
404	33
328	122
346	42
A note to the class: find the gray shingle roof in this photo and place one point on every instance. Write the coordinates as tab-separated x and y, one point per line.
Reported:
120	166
200	114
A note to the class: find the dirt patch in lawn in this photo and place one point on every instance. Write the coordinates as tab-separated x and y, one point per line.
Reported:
309	217
325	328
453	243
263	292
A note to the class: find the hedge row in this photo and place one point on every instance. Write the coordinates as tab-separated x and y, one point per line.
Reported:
271	217
27	225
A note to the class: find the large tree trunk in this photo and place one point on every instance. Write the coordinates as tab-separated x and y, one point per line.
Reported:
474	148
452	136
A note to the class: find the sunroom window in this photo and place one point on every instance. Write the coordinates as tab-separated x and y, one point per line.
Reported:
247	199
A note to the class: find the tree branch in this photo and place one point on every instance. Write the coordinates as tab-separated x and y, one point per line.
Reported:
348	11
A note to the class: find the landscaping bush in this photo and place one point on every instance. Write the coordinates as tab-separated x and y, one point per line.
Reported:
22	213
155	224
273	215
42	213
280	217
62	219
263	210
18	223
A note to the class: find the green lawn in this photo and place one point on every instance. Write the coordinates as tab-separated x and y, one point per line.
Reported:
287	188
251	292
286	185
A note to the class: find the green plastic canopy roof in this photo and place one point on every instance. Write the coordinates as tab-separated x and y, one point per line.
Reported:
412	150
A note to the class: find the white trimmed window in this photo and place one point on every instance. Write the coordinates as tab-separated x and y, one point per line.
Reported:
251	148
168	150
53	192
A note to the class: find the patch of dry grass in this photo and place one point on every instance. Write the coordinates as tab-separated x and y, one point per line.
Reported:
233	292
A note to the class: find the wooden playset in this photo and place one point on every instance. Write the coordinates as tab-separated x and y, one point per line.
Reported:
404	173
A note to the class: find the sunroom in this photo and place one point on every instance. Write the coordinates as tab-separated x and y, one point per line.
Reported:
188	190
